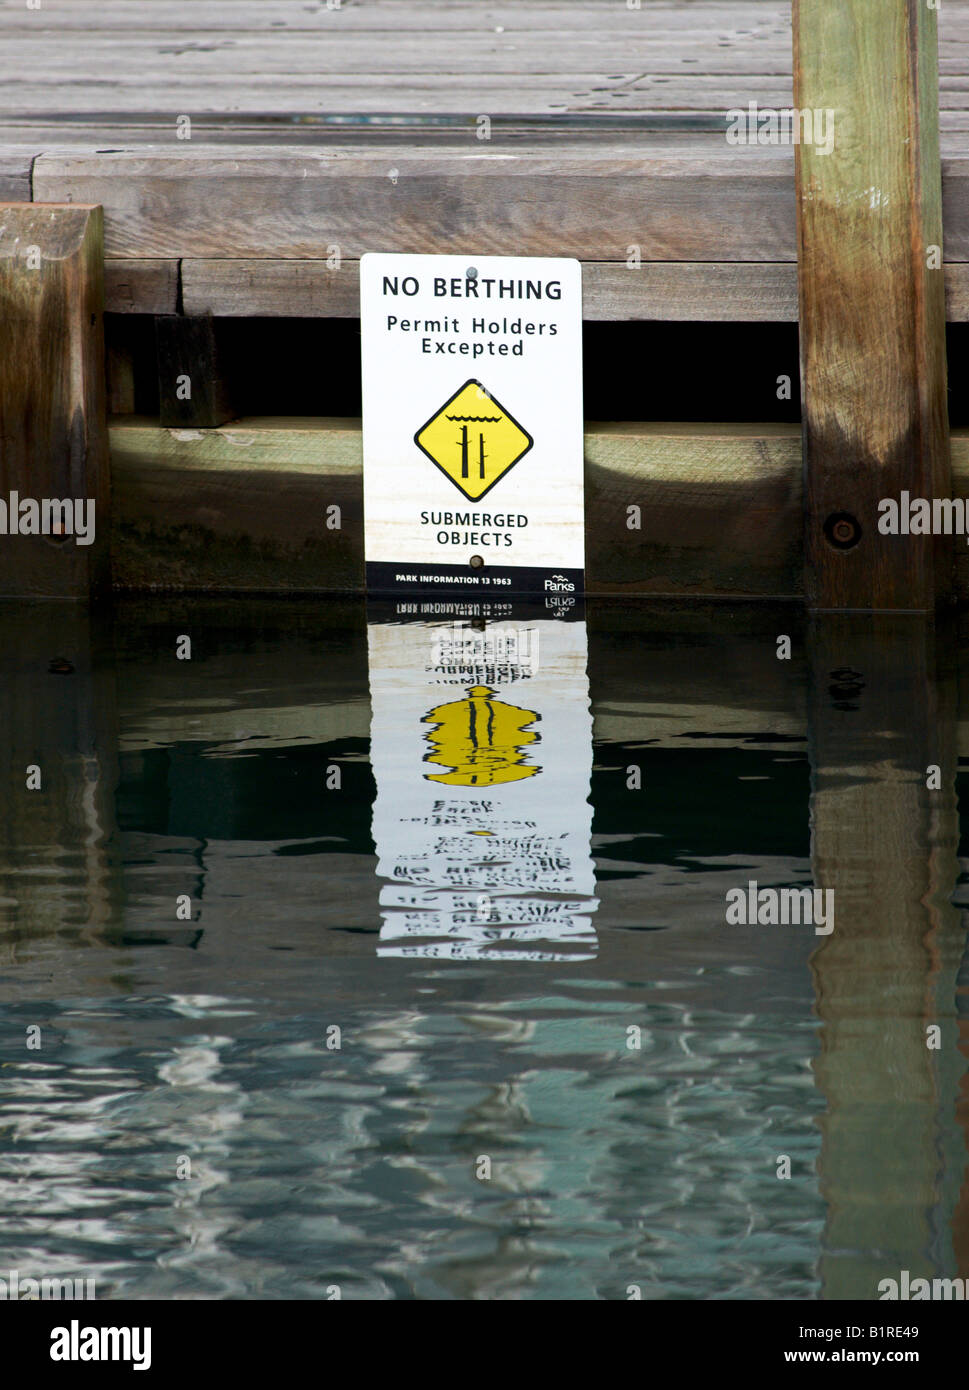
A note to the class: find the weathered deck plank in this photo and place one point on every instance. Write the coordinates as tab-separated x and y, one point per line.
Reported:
140	286
91	94
389	55
169	57
666	290
730	216
697	202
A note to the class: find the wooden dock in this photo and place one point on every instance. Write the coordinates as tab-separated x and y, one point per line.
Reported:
246	153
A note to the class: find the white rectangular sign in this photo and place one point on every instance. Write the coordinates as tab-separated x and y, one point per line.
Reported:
472	424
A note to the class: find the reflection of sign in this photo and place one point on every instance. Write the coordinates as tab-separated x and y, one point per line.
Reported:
482	820
473	440
482	739
473	470
494	653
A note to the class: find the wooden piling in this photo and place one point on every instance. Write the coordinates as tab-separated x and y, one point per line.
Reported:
53	435
872	299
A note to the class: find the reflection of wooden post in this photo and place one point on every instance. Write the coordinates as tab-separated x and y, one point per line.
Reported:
872	298
886	845
57	877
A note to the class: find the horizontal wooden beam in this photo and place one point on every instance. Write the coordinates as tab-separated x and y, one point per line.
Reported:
688	199
243	507
671	290
140	286
15	166
711	225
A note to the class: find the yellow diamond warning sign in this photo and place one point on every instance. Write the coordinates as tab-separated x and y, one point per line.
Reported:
473	440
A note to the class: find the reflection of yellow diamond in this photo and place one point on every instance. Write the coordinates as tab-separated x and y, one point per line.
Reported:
480	740
473	440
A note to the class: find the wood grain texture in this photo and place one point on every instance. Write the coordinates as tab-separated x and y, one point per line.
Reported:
201	57
195	57
957	293
209	207
260	75
140	287
671	291
243	507
740	18
239	508
872	314
390	55
719	509
53	442
689	292
192	389
955	201
702	201
15	166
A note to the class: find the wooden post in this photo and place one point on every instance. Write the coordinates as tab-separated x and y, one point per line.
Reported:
53	435
192	393
872	305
